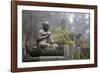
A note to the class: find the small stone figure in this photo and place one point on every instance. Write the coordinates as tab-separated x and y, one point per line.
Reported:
45	40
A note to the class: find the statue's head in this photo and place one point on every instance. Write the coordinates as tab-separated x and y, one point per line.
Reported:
45	26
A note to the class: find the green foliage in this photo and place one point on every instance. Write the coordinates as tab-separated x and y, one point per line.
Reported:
63	36
60	36
75	56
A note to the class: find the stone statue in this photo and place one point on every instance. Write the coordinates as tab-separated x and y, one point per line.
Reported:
45	40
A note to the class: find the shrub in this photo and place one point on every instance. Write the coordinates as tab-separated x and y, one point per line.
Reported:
60	36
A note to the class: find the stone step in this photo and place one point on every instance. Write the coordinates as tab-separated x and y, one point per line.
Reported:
43	58
48	58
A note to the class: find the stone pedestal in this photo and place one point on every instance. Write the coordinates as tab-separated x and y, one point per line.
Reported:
66	52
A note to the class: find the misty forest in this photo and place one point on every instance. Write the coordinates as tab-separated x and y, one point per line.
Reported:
69	30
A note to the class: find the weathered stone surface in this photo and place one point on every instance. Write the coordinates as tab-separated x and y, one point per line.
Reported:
50	58
42	55
66	52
